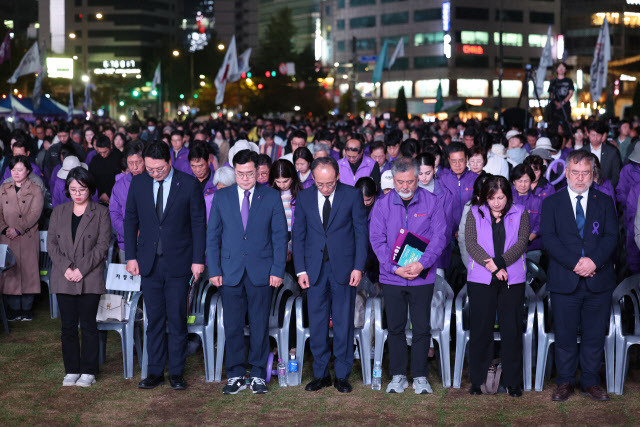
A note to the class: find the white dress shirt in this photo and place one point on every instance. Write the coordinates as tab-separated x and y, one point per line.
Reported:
321	200
597	152
166	187
583	202
241	195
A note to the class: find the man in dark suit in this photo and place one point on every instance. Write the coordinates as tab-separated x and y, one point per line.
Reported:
580	232
164	239
330	242
607	154
246	254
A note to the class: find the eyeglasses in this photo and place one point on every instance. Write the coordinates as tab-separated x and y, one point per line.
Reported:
584	174
457	161
80	190
327	185
156	171
245	175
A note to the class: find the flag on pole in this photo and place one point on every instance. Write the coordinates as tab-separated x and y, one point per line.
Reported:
397	53
438	106
87	97
156	78
37	87
228	69
243	65
600	64
546	60
70	110
5	48
30	63
381	63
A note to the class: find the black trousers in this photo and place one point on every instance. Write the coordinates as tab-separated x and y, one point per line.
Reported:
73	309
484	300
396	301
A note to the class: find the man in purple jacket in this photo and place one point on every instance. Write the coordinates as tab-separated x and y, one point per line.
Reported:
420	212
459	182
118	202
629	178
354	165
200	167
179	153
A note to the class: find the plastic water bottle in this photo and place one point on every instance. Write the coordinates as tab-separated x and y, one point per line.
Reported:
292	376
376	381
282	373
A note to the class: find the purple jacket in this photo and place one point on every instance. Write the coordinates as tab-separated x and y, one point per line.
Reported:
181	161
90	155
58	197
307	182
544	189
209	188
606	187
517	271
533	205
633	252
36	170
346	174
446	200
54	175
118	203
629	178
424	216
461	190
333	153
208	199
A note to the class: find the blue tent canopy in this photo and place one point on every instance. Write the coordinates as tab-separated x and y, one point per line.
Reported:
12	103
47	107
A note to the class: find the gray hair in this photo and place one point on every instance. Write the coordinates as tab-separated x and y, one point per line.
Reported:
318	146
405	164
576	156
225	176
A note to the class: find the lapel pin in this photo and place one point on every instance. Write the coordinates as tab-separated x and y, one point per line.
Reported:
596	225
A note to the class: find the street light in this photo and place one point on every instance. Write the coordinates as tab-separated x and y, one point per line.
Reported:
220	46
72	35
176	53
75	57
201	76
99	15
202	84
85	78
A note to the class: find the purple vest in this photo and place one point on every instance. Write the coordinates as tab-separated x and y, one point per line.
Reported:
35	170
346	174
518	270
533	205
181	161
309	182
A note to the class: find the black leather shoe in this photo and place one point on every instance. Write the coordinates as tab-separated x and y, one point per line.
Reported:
318	383
152	381
342	386
475	390
514	391
177	382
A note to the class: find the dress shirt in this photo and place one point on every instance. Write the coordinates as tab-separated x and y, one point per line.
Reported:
166	187
597	152
241	196
583	202
321	200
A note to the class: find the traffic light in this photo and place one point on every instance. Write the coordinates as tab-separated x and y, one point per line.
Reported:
195	96
249	75
121	103
273	74
260	86
154	93
135	93
182	96
244	75
267	74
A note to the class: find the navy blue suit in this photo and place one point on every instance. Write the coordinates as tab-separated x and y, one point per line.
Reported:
577	302
347	240
245	259
165	277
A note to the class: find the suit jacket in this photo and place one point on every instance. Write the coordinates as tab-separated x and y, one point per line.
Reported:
561	239
610	162
87	252
181	228
346	237
261	249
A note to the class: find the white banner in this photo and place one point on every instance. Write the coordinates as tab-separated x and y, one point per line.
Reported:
30	63
546	60
600	64
228	69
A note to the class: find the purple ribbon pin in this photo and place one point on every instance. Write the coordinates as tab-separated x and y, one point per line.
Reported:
596	225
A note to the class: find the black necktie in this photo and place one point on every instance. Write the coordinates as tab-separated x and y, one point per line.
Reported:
160	212
326	211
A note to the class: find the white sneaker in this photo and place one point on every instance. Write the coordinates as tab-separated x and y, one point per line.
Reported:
422	386
70	380
398	384
86	380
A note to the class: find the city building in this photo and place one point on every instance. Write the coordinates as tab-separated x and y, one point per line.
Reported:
452	43
239	18
108	37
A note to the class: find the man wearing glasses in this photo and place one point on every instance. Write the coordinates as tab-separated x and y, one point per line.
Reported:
164	240
330	242
580	233
246	253
355	165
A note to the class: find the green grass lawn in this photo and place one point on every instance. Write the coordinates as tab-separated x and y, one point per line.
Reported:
31	373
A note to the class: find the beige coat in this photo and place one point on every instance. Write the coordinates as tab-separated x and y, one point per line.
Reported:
21	211
87	253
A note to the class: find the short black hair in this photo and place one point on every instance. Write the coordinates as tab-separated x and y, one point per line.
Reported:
298	134
20	159
426	159
243	157
521	170
394	137
83	177
133	128
491	186
367	185
409	148
157	151
324	161
178	133
302	153
102	141
376	145
535	162
264	160
477	149
457	147
66	151
63	127
199	150
599	127
133	148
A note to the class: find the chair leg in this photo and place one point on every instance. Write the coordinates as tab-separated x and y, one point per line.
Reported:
137	339
541	364
526	362
208	349
378	344
127	352
364	348
53	306
621	360
102	355
219	352
461	345
145	358
445	359
3	315
609	360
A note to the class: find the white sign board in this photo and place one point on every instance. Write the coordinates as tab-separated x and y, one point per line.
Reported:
118	279
60	68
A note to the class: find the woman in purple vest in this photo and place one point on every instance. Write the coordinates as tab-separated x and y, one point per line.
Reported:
302	159
521	177
497	235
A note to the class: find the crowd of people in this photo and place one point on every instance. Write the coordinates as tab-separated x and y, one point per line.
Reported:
328	201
